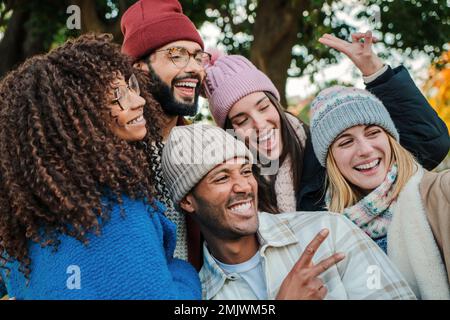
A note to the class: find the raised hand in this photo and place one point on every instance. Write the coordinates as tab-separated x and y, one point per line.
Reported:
360	53
303	282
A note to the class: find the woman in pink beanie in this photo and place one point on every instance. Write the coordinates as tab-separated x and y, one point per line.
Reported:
290	177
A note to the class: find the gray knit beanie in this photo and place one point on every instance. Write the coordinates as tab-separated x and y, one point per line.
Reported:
194	150
338	108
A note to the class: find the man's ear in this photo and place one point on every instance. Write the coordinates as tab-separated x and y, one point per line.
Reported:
141	65
187	203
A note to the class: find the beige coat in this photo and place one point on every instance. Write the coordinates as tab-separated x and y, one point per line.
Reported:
419	233
435	192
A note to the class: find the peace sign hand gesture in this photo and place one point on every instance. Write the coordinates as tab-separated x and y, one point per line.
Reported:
360	53
303	282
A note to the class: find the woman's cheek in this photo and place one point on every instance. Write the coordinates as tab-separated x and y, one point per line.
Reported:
342	158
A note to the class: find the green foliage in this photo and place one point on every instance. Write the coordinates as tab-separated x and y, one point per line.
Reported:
234	18
48	17
409	26
110	11
54	15
304	114
415	25
5	15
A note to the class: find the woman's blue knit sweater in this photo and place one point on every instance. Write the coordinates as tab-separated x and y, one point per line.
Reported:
131	259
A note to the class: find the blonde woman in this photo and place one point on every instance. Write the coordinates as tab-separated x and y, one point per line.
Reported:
378	184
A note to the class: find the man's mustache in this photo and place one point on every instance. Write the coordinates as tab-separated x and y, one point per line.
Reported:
234	199
188	76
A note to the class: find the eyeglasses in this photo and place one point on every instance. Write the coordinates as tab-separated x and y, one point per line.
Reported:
180	57
122	93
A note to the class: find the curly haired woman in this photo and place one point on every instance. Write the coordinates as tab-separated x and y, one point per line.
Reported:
77	215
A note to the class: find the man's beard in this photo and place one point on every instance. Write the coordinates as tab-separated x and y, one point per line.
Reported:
165	96
213	218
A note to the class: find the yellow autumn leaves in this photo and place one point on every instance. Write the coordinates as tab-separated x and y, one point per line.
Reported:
437	88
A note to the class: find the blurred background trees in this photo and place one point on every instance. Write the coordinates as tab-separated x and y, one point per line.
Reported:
437	88
31	27
279	36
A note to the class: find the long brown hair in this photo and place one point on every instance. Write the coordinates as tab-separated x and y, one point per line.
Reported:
59	160
267	198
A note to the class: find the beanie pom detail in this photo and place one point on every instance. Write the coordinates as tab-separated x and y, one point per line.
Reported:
215	55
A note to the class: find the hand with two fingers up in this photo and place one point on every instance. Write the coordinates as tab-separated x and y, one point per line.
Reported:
303	282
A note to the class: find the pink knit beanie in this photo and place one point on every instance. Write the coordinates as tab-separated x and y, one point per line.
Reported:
229	79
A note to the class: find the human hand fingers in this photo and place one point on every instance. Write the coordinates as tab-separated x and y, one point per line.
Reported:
334	42
326	264
317	289
322	292
357	36
367	48
306	257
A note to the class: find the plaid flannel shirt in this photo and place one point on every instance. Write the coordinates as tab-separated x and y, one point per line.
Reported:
365	273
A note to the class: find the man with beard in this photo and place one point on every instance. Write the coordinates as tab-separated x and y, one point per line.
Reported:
258	255
165	44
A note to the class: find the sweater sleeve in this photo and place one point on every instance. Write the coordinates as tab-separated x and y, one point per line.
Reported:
421	130
186	278
179	279
2	288
366	271
130	259
142	267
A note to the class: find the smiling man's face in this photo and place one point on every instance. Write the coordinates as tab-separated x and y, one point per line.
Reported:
225	201
176	88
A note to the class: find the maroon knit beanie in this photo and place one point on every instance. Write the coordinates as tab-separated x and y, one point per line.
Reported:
151	24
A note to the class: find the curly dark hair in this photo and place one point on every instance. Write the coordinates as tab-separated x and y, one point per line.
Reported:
59	159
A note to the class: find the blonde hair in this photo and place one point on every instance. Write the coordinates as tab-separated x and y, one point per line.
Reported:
343	194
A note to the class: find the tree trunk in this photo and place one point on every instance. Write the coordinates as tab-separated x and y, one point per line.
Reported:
91	22
12	40
275	33
18	42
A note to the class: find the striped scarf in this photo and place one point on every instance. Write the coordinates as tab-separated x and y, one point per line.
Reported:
373	212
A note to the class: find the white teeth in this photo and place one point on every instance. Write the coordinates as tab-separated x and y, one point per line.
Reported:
137	120
242	207
186	84
267	136
368	165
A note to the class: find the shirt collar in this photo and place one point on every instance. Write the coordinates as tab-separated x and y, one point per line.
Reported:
274	232
211	275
